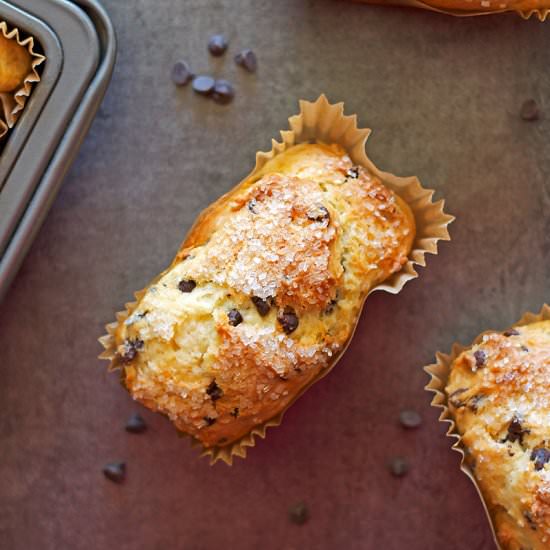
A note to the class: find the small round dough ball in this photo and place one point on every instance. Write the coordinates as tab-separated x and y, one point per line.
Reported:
15	64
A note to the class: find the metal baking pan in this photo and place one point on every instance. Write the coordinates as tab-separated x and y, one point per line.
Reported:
50	46
79	42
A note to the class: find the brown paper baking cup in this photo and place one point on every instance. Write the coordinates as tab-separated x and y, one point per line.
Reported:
541	13
326	123
439	375
12	103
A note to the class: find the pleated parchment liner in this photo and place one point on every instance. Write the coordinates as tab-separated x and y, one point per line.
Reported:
12	103
477	7
439	375
325	122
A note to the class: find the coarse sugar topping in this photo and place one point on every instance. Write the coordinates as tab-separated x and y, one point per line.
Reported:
277	244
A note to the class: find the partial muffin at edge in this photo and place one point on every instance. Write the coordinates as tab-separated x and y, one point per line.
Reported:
499	395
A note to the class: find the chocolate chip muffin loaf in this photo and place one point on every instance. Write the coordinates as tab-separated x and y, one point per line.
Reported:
499	395
263	294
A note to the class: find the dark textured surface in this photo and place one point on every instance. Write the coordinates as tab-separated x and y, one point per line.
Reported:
443	97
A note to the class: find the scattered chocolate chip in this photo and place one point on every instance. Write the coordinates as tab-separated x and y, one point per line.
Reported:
130	349
187	285
410	418
252	206
318	214
288	319
217	44
399	466
511	332
524	348
353	172
181	74
298	513
115	471
203	84
247	60
263	306
223	92
235	412
480	356
540	456
529	110
235	317
214	391
209	420
136	424
516	431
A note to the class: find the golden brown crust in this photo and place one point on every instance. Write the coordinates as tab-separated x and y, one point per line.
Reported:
499	395
278	239
15	64
264	292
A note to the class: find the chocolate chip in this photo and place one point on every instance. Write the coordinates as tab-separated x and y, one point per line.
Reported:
115	471
410	418
214	391
353	172
235	412
529	110
136	424
252	206
235	317
524	348
516	431
530	521
217	44
298	513
130	349
474	401
399	466
223	92
454	400
247	60
263	306
181	74
318	214
480	357
203	84
288	319
511	332
187	285
209	420
540	456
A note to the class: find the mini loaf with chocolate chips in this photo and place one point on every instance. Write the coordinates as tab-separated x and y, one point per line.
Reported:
499	395
263	294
